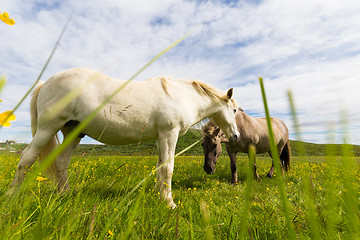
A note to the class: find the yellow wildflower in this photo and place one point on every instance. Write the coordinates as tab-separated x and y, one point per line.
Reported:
40	179
6	117
5	18
110	233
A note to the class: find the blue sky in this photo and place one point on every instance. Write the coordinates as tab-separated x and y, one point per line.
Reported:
311	47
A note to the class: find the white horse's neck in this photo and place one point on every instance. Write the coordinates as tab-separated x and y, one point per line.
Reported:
206	108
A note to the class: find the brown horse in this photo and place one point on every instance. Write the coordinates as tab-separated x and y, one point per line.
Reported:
253	131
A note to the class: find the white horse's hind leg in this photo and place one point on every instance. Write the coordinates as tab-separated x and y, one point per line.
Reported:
30	154
62	162
27	159
166	144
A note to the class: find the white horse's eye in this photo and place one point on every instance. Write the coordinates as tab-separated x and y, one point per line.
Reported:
235	110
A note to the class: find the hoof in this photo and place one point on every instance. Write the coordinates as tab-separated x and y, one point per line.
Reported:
172	206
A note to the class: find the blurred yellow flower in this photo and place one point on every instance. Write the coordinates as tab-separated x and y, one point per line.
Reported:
6	117
40	179
110	233
5	18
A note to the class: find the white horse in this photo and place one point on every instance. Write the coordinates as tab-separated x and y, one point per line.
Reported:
159	109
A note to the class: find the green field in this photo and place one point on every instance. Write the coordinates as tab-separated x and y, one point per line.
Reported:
149	148
322	194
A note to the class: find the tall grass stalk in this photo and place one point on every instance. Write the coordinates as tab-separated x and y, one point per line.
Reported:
308	188
191	230
331	186
275	155
299	146
349	178
247	195
205	213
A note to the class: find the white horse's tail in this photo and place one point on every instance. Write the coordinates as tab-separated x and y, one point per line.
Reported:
52	144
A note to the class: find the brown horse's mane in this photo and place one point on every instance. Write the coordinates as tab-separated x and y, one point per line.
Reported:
208	128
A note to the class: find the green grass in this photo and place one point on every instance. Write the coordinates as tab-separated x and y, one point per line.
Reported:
100	184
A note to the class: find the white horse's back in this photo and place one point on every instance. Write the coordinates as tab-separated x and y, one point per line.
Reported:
133	115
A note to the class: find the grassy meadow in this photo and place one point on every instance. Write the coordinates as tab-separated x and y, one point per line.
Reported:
104	203
113	195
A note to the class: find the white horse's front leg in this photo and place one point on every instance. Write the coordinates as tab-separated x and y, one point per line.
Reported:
166	144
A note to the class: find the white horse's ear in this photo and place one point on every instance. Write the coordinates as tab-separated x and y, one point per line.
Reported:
216	132
223	138
229	93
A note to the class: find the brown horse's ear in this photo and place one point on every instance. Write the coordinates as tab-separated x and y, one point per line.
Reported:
203	131
223	138
216	132
229	93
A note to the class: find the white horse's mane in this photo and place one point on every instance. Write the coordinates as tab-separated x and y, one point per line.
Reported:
201	87
164	83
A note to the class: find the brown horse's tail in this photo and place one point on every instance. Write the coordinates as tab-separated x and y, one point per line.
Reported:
285	156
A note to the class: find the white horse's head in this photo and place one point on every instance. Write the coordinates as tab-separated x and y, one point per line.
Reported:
225	116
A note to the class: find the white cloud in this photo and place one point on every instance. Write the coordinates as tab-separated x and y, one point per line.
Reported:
311	47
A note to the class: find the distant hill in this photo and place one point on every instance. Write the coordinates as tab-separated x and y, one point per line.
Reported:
150	148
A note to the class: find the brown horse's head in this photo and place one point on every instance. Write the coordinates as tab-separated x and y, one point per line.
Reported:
211	144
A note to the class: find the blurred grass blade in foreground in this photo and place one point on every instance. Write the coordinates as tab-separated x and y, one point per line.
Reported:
248	192
280	178
308	188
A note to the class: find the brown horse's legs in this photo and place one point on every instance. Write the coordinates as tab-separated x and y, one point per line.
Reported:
256	175
232	156
271	171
